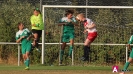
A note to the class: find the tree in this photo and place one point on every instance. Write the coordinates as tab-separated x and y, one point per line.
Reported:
11	13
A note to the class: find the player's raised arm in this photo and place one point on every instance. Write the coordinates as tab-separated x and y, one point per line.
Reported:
19	40
62	21
73	21
91	26
128	46
30	34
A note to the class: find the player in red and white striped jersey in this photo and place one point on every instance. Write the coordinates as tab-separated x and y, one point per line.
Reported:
90	27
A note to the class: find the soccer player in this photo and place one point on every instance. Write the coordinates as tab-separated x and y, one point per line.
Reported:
37	26
23	36
130	57
68	33
90	27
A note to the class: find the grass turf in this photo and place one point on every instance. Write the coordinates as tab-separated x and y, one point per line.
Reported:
40	69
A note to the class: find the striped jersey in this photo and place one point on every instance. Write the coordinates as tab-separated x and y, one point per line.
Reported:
88	22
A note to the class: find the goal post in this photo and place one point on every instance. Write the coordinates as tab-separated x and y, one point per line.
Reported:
89	7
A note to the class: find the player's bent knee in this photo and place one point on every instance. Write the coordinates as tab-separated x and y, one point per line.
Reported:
130	59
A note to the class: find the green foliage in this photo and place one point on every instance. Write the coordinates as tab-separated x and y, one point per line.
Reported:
11	13
113	25
106	16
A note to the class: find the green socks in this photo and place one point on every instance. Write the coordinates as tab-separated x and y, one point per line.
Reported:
70	50
126	66
61	54
27	62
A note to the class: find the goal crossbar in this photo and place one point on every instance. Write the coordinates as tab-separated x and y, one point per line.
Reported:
66	6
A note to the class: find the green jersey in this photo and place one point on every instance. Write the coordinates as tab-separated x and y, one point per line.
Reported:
25	44
24	32
37	20
69	26
130	40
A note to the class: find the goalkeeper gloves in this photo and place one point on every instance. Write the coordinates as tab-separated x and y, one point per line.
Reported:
37	25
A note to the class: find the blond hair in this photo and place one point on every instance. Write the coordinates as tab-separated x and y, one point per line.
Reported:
81	15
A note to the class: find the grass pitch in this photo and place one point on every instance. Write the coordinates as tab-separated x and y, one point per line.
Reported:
40	69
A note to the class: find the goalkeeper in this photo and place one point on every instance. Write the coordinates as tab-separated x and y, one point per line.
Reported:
37	27
130	57
23	36
68	33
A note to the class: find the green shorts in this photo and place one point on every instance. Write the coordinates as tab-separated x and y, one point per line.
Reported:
67	36
26	47
131	54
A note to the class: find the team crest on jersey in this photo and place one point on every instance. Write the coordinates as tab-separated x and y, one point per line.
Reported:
85	23
25	32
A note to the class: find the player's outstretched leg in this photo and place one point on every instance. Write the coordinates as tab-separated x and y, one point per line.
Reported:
125	67
85	56
62	53
36	45
128	62
27	62
61	56
71	47
70	52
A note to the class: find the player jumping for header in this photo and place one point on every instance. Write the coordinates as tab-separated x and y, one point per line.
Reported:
68	32
37	27
90	27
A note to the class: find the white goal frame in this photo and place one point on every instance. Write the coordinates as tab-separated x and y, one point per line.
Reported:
68	6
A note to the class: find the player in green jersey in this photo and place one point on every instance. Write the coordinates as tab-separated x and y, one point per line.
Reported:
23	36
130	57
68	32
37	26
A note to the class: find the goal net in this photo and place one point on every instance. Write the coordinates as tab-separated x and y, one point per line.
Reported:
114	25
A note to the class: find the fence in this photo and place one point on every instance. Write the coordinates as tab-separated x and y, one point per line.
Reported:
11	43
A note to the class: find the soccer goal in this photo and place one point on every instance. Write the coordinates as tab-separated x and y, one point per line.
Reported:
114	30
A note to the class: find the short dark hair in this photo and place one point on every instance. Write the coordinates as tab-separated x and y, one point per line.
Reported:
70	11
19	23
